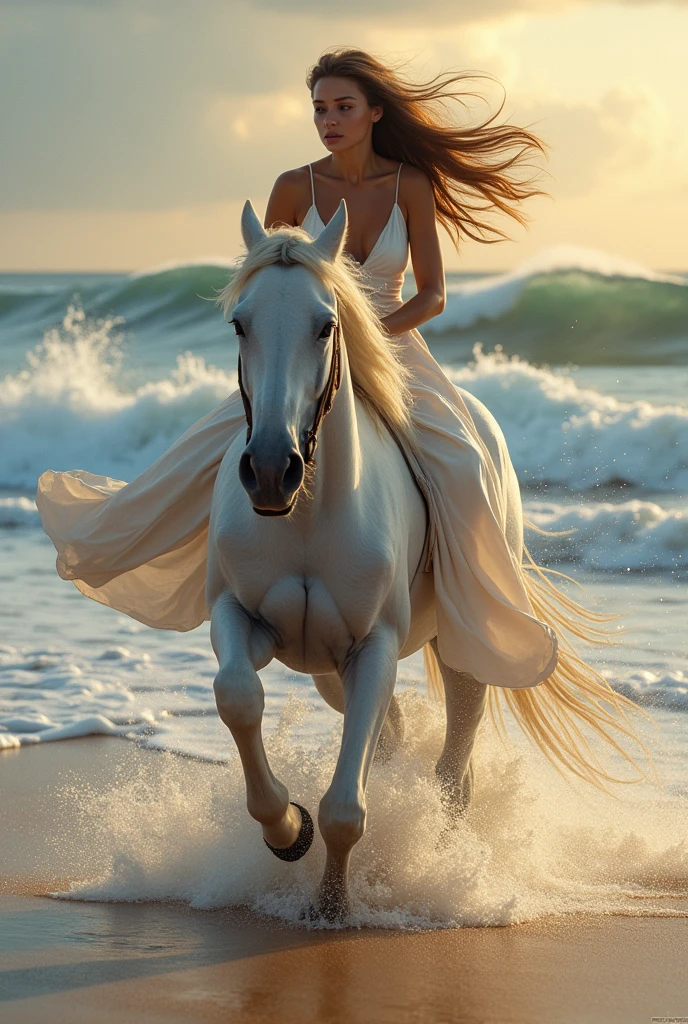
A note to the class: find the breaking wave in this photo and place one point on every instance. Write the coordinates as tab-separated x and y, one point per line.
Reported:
71	408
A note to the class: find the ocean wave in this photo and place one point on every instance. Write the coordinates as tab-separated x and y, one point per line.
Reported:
16	512
493	296
563	305
578	438
636	535
570	305
70	409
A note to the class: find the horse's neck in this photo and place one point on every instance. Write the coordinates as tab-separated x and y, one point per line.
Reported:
338	456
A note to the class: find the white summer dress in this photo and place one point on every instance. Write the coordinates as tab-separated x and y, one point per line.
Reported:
140	547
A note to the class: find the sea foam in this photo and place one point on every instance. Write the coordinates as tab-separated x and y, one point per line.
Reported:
70	408
558	432
638	535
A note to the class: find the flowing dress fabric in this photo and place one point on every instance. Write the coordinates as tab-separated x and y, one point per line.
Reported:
141	547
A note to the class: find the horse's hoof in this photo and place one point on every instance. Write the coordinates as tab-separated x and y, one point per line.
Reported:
334	911
309	913
302	844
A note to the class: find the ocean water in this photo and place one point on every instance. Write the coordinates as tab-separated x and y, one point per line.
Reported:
583	359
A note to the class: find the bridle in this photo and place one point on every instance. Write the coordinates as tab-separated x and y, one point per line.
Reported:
334	380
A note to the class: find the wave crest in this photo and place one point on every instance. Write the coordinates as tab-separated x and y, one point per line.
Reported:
578	438
70	409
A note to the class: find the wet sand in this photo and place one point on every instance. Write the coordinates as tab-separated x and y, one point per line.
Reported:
74	962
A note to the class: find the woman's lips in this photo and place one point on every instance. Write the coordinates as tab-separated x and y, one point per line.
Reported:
333	138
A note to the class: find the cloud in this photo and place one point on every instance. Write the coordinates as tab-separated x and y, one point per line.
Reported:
146	105
113	107
392	12
624	138
452	12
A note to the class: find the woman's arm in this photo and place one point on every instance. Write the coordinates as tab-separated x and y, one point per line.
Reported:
286	199
426	256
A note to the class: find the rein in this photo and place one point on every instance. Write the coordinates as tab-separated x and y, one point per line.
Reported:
334	380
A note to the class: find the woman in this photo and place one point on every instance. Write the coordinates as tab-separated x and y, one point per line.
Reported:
141	547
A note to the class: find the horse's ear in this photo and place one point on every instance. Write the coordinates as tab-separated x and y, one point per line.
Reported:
330	241
251	228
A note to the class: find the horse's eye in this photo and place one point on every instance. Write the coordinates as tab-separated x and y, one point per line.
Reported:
238	329
327	331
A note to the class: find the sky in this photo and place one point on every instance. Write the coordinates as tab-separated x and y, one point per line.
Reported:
132	131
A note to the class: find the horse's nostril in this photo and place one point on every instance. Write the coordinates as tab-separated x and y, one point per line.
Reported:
293	474
246	472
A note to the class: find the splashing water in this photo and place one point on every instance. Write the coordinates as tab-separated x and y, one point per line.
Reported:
530	845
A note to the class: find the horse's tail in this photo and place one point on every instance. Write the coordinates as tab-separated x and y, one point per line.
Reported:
433	674
554	713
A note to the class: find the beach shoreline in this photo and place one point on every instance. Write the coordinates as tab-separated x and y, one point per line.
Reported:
75	961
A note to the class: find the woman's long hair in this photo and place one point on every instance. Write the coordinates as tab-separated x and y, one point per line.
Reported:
472	169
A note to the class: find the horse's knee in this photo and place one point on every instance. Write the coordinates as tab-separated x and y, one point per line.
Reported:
341	822
239	697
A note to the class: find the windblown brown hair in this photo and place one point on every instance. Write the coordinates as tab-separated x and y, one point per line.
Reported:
473	169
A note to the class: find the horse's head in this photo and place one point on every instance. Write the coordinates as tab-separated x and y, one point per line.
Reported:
286	323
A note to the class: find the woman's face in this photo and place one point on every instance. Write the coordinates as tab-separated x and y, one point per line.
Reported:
341	113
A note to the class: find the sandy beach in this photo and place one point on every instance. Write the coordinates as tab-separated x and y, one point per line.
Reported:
78	961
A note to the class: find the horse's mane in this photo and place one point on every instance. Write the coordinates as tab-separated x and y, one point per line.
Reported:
379	378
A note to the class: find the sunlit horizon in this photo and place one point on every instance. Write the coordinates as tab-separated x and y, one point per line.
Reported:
132	140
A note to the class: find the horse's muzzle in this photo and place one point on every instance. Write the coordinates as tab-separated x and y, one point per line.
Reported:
271	479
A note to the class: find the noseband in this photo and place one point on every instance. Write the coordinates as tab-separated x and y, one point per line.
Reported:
325	401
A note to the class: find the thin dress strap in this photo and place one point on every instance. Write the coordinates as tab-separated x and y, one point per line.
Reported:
310	168
396	197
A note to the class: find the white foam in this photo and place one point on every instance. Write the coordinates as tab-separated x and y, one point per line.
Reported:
655	690
578	437
18	512
68	411
164	700
530	845
605	535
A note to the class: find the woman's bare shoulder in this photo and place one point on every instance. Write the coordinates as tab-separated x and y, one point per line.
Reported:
293	181
416	193
289	198
414	181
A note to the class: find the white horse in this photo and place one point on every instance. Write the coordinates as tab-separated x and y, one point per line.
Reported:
323	568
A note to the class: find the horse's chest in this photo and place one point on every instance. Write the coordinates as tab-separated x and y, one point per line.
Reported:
315	599
314	630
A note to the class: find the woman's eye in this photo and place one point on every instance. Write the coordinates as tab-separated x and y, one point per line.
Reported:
238	329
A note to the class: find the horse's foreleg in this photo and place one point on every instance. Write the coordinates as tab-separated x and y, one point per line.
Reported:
465	700
331	690
368	678
242	646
